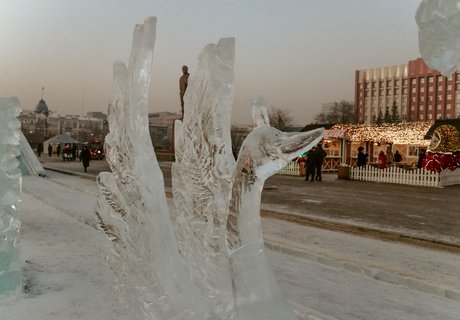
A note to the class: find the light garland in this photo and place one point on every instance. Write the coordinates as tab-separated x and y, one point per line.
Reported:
411	133
448	139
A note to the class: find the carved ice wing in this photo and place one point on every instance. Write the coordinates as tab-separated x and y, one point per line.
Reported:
132	208
10	194
201	174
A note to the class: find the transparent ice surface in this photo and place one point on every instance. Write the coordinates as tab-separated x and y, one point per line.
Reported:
201	174
218	201
132	208
264	151
10	193
29	163
439	37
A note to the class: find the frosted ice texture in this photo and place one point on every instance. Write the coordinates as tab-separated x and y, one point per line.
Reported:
264	151
10	193
29	163
132	208
218	202
439	37
201	174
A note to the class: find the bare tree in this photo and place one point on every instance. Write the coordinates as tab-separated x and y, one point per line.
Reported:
279	118
342	112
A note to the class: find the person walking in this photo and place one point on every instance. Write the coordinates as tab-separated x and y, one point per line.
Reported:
50	150
39	149
362	157
85	157
311	164
58	149
319	158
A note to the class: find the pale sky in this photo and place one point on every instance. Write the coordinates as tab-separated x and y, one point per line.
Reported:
297	54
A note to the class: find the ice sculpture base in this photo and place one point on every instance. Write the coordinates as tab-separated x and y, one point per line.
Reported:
248	264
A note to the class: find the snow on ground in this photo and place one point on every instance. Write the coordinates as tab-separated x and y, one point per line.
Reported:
65	271
67	278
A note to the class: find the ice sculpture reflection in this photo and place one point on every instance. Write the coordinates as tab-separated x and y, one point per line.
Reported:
218	203
439	37
10	193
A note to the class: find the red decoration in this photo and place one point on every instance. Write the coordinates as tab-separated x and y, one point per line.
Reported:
437	161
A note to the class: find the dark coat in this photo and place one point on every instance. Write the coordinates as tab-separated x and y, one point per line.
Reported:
362	159
85	157
320	154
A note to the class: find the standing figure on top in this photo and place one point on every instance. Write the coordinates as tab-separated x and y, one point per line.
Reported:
183	83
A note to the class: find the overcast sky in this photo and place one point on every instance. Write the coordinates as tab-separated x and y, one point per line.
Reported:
298	54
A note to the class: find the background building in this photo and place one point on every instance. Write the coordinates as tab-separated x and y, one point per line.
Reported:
161	127
420	92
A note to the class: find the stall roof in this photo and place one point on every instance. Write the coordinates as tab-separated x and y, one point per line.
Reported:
397	133
62	138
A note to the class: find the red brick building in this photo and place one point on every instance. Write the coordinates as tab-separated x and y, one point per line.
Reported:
420	92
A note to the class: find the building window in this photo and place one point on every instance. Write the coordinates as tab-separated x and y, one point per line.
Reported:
422	89
422	98
439	78
430	89
420	116
413	89
430	107
430	116
422	80
413	81
438	107
421	107
448	106
430	79
449	96
439	88
412	108
449	87
438	116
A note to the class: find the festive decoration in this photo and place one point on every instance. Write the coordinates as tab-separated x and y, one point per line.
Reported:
437	161
445	139
397	133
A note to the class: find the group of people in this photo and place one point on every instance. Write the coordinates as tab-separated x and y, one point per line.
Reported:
383	160
85	154
314	163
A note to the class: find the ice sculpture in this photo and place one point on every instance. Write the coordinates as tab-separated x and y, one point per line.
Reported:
202	173
10	193
439	37
264	152
132	208
218	203
28	161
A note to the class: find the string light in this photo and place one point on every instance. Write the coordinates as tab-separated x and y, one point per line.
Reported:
449	140
410	133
